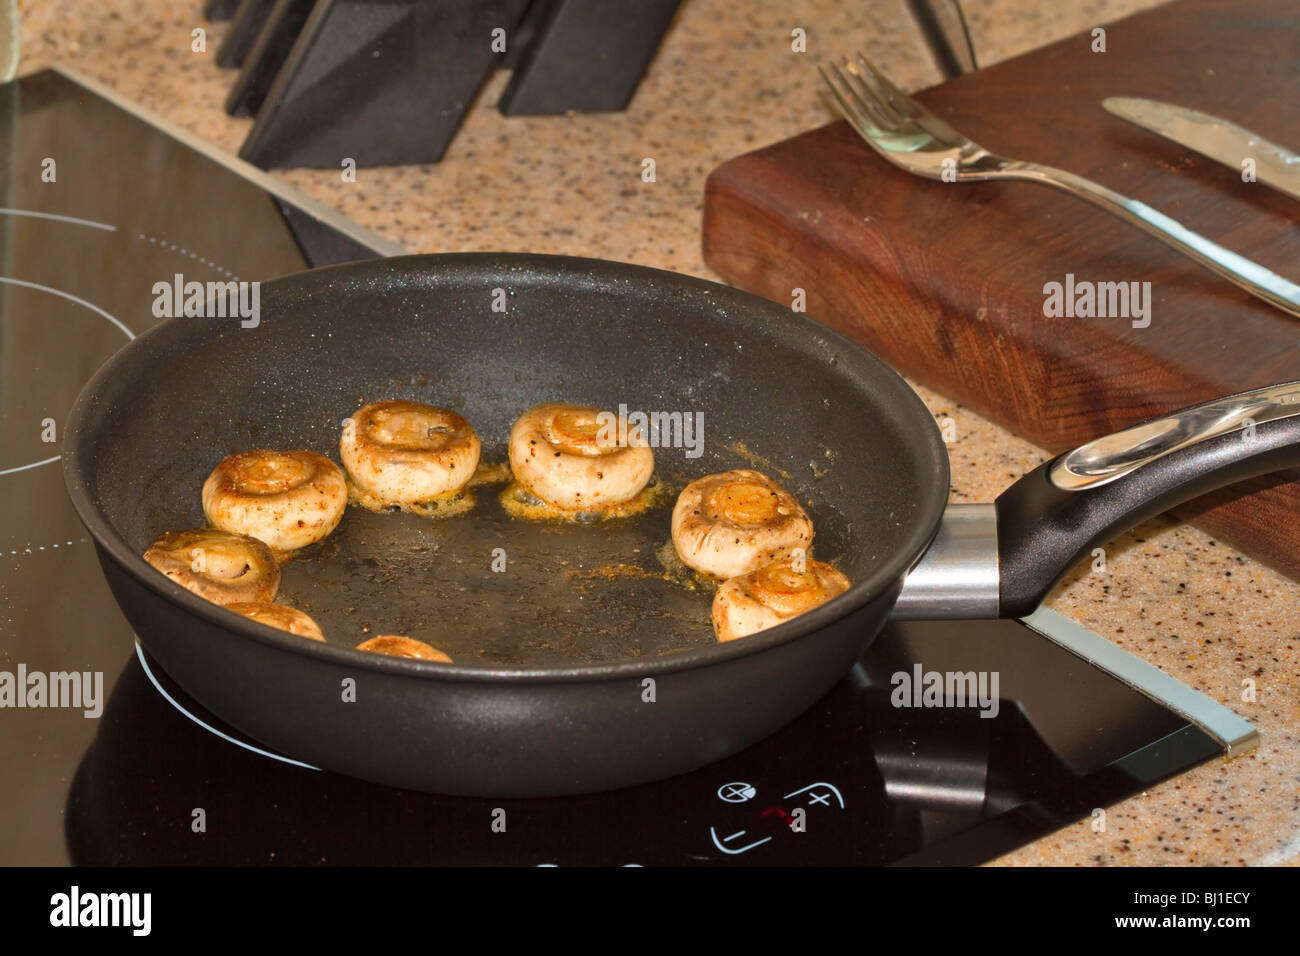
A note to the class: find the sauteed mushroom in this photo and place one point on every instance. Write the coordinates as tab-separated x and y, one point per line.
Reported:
737	521
289	499
774	593
222	567
407	455
396	645
279	615
576	458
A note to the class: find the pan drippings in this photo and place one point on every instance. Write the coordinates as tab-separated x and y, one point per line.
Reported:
488	588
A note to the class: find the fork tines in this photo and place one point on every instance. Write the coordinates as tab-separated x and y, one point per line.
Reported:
865	96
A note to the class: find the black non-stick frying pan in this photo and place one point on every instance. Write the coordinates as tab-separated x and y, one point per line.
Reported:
584	662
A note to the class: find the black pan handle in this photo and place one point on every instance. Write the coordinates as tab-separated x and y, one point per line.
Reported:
1062	510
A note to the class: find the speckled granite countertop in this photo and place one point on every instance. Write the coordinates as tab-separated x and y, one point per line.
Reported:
726	82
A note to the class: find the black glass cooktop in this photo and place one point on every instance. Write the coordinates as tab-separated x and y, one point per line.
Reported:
99	205
875	783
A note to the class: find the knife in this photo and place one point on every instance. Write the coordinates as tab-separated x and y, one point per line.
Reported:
1219	139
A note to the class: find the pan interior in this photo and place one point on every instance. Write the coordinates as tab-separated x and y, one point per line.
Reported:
490	336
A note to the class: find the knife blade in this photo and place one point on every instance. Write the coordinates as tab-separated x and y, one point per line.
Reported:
1219	139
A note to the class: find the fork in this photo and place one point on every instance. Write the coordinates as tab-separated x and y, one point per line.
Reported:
912	138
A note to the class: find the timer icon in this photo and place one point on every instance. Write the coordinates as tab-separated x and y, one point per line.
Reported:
738	792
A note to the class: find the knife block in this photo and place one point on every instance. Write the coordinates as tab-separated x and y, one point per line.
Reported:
389	83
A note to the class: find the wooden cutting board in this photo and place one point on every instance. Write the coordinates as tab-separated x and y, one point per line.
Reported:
946	281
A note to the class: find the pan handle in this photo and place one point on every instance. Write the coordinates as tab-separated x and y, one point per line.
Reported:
1063	509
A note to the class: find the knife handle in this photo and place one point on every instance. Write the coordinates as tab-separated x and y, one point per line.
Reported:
1240	271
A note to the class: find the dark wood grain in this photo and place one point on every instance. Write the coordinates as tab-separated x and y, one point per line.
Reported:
945	281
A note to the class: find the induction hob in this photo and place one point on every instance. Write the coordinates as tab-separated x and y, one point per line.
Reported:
99	201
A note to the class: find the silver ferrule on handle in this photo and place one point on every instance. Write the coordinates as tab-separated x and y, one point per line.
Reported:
957	578
979	568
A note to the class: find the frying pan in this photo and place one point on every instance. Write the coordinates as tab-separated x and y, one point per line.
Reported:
582	661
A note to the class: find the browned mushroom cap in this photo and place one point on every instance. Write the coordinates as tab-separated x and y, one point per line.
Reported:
764	598
574	457
223	567
280	615
737	521
398	646
289	499
400	453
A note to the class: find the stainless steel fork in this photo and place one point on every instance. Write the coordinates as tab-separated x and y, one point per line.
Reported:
912	138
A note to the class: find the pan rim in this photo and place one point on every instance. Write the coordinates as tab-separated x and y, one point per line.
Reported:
853	360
